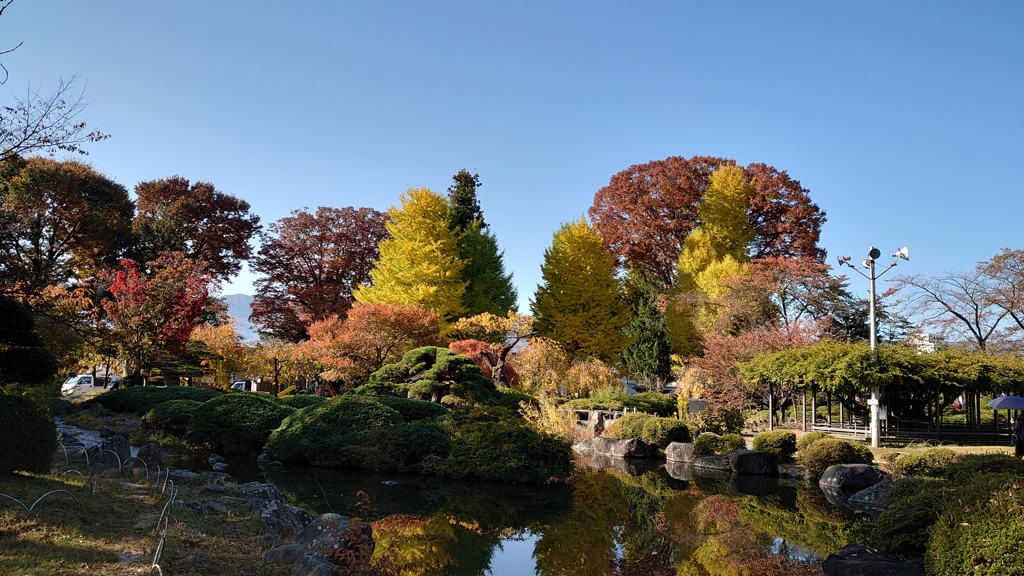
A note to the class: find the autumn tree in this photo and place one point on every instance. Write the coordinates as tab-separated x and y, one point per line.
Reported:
371	336
502	333
153	317
541	366
488	287
419	264
280	363
956	304
60	222
24	358
1005	286
311	263
580	303
646	212
218	350
197	220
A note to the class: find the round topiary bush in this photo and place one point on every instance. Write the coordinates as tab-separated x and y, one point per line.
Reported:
902	529
717	419
236	424
300	401
810	438
655	403
971	466
28	438
931	462
628	426
335	433
412	409
781	444
142	399
828	451
711	444
171	417
663	431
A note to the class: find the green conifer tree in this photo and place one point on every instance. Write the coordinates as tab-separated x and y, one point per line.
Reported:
581	303
489	288
648	357
419	264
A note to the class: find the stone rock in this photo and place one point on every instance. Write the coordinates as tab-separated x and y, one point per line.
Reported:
713	463
153	456
217	477
261	490
318	533
621	447
679	452
218	489
851	476
333	535
750	462
269	541
218	508
286	554
186	477
194	507
751	484
856	560
679	470
109	453
95	410
792	471
108	432
279	518
220	467
215	459
263	460
312	565
872	498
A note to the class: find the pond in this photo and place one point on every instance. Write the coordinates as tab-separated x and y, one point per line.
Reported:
619	517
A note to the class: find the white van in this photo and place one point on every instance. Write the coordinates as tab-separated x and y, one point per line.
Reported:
77	385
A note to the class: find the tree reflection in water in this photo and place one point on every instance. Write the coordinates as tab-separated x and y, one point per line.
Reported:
607	523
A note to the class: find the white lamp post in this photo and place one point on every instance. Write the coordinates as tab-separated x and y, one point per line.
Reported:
869	263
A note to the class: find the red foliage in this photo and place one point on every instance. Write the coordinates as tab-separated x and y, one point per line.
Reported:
646	211
486	358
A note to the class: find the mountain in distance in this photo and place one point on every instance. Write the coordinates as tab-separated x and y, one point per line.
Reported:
240	306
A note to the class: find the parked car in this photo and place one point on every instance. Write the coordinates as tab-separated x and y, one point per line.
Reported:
80	384
240	385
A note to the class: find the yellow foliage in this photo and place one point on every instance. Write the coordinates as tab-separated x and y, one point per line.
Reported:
546	417
541	366
585	376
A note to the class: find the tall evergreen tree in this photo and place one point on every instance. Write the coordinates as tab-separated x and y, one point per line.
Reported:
489	288
647	358
581	304
419	264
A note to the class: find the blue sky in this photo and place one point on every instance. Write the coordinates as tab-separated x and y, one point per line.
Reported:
903	119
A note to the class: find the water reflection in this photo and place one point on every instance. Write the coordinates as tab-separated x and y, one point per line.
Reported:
620	518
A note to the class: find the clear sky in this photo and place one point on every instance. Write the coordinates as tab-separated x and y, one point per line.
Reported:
903	119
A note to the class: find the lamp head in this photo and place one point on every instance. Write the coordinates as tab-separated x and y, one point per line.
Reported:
903	253
874	253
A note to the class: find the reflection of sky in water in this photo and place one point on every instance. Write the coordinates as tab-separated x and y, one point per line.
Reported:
798	553
514	557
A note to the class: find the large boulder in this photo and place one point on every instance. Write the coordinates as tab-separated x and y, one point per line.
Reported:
856	560
153	456
279	518
109	453
261	490
619	448
873	498
750	462
349	545
679	452
851	476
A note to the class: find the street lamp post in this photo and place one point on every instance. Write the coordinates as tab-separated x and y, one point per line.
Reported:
869	263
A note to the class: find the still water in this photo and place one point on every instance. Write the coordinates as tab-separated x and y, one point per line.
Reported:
620	518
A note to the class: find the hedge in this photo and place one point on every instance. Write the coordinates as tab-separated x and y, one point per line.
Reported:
236	424
28	437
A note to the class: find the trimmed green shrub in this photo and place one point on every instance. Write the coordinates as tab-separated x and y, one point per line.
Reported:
436	374
810	438
171	417
828	451
781	444
412	409
979	530
663	431
931	462
971	466
142	399
628	426
236	424
655	403
717	419
507	451
902	529
300	401
711	444
28	438
335	433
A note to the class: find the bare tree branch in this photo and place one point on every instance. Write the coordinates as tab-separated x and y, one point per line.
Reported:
955	303
46	123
